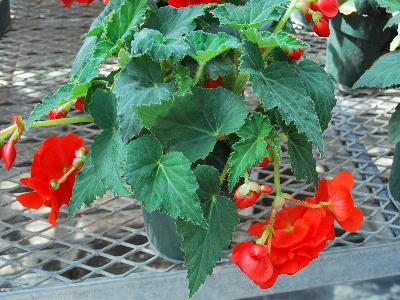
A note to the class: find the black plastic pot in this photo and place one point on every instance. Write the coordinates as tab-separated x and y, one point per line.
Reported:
356	41
394	181
5	17
162	235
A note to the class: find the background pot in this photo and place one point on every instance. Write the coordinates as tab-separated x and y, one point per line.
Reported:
162	235
5	17
356	41
394	181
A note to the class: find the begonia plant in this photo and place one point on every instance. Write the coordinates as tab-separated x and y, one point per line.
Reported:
177	133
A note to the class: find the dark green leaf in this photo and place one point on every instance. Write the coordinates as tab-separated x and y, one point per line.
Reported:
163	182
62	95
320	89
279	86
139	84
87	187
252	15
390	5
195	121
157	46
183	80
205	46
266	39
384	73
394	126
108	157
219	67
203	247
174	22
251	149
103	108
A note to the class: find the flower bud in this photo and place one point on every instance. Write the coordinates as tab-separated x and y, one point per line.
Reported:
8	153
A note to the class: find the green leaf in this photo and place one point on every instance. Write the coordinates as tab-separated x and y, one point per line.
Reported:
394	126
320	89
394	20
157	46
174	22
203	247
99	53
251	149
103	108
61	96
219	67
205	46
252	15
121	23
163	182
279	86
266	39
139	83
390	5
384	73
195	121
183	80
301	157
87	187
108	156
149	114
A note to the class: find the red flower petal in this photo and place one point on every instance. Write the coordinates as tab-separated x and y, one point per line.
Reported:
323	191
178	3
257	229
37	184
253	260
264	163
322	28
345	179
342	203
329	8
354	222
80	103
67	3
292	235
213	84
308	17
266	189
31	200
269	283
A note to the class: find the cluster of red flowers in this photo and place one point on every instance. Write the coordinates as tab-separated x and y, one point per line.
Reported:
291	238
53	172
319	12
68	3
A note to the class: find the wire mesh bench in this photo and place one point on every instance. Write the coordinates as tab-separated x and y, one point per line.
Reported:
103	252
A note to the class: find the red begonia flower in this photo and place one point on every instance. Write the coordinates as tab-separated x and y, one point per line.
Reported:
80	104
68	3
106	2
264	163
354	222
52	160
8	154
322	28
213	84
329	8
254	260
295	54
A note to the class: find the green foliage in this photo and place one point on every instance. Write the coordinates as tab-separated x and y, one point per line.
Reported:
183	80
163	182
219	67
267	39
61	96
394	126
251	149
203	247
86	188
279	86
391	6
157	46
205	46
320	89
195	121
139	83
393	21
252	15
383	74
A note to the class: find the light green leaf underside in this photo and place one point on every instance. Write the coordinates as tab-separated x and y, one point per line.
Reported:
163	182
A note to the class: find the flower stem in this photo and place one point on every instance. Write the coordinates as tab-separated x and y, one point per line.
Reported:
224	173
286	16
199	73
63	121
277	177
7	131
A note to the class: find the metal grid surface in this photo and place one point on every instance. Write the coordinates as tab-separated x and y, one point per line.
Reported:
107	241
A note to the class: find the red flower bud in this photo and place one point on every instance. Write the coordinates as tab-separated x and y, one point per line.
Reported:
308	17
67	3
295	54
329	8
264	163
322	28
80	104
8	154
57	114
213	84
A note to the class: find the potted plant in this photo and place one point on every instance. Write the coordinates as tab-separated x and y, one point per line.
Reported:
175	131
384	74
358	38
5	17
